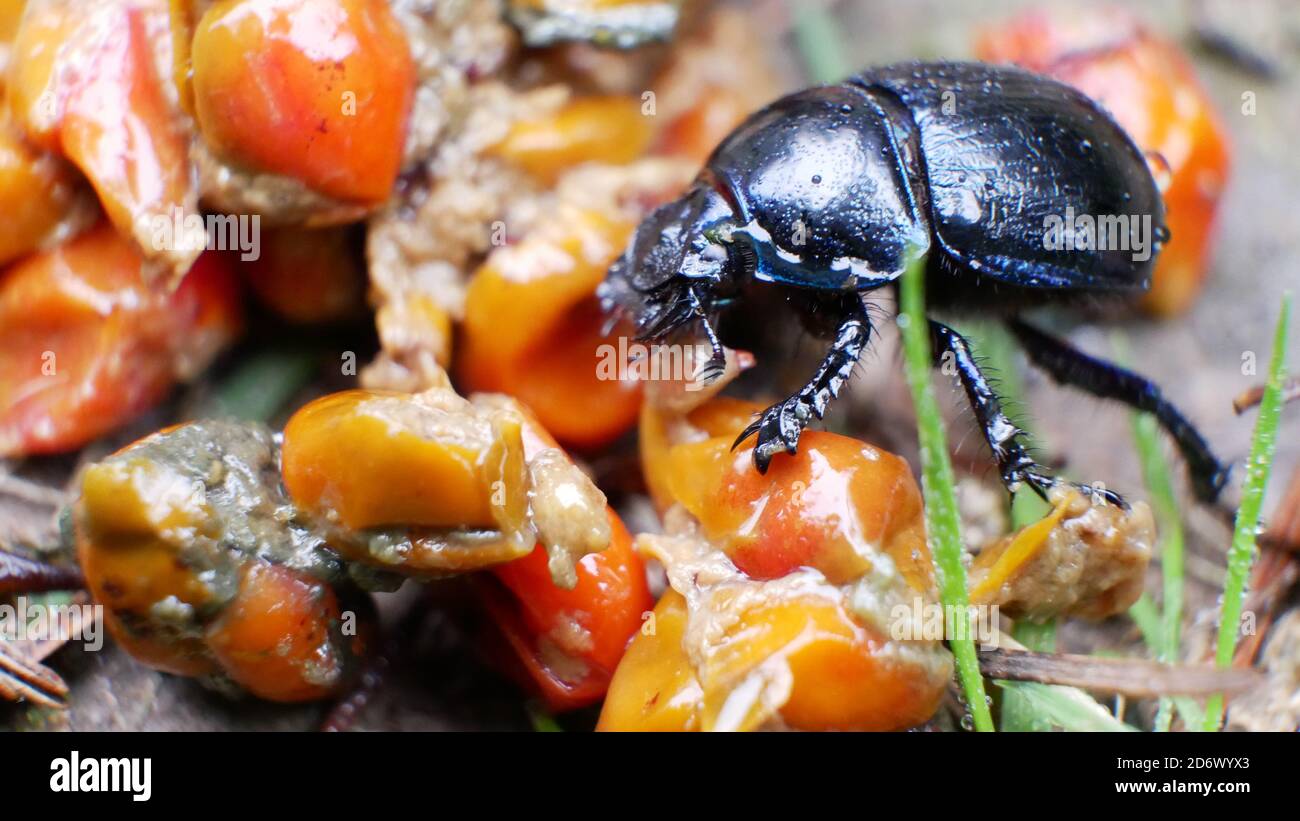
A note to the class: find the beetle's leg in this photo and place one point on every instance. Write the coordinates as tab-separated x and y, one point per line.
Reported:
665	315
1003	437
1070	366
717	363
779	426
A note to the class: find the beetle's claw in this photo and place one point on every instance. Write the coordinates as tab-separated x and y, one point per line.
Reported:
710	375
1103	495
749	431
1042	482
19	574
1099	494
712	370
1037	481
778	429
1032	475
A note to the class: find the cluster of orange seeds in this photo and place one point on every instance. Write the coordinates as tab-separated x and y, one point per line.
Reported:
224	551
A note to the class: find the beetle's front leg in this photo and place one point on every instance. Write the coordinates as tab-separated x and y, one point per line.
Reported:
779	426
708	371
1003	437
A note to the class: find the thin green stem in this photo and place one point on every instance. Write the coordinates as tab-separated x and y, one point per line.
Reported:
1146	615
261	386
1019	713
1169	524
942	521
542	721
1242	552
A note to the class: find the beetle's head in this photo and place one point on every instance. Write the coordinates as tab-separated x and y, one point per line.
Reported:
676	250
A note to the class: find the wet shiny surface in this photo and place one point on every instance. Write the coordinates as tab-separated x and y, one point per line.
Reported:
311	89
184	540
818	175
1151	89
86	82
89	343
783	586
1005	151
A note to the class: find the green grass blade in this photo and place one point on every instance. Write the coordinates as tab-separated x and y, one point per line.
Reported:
1069	708
998	352
817	35
1242	552
542	721
260	386
1169	524
942	522
1021	714
1041	638
1146	615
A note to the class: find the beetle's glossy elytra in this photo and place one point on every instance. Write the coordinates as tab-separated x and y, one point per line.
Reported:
817	178
1018	190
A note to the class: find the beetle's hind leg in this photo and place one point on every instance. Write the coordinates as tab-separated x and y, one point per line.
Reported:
780	426
1070	366
1003	437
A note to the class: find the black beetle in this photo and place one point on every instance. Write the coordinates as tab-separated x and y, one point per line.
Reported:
825	193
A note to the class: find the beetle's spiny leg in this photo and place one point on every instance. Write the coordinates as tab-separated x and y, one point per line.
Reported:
836	369
780	426
1014	462
1070	366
